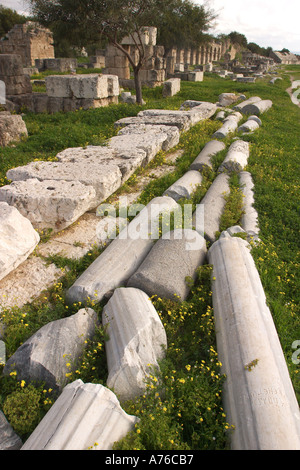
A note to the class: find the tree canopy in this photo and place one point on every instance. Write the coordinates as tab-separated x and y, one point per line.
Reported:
179	22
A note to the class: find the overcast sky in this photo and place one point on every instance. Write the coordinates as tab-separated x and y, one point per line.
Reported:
274	23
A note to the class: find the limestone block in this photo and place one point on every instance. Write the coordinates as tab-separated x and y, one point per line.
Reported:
86	86
185	186
249	220
258	107
171	87
49	203
195	76
237	157
183	118
203	160
179	121
12	128
226	99
127	160
45	355
105	178
11	65
175	256
151	143
85	416
9	440
124	255
27	282
213	203
167	135
18	239
259	399
137	341
17	84
240	106
246	79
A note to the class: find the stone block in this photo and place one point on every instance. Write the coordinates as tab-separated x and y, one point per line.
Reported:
137	341
11	65
203	160
85	416
213	204
237	157
259	399
195	76
171	87
185	186
12	128
226	99
85	86
166	136
18	239
175	256
126	159
17	84
105	178
124	254
249	220
49	203
45	355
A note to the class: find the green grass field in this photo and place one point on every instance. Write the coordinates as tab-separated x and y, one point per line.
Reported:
182	408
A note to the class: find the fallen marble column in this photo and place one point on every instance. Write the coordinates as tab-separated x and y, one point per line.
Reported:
259	399
185	186
203	160
49	203
249	126
249	219
85	416
240	107
45	355
124	254
230	124
213	205
237	157
18	239
175	256
257	108
137	341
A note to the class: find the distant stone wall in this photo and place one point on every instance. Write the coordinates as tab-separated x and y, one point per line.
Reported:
30	40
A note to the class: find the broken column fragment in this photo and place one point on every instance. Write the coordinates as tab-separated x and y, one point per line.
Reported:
124	254
213	205
185	186
249	220
237	157
137	341
175	256
259	399
45	355
203	160
85	416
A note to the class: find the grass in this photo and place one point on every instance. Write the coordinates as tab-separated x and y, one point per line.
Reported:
182	406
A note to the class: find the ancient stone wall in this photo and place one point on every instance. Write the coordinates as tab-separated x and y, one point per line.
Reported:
30	40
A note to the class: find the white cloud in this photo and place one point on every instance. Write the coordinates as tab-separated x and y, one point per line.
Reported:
272	23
